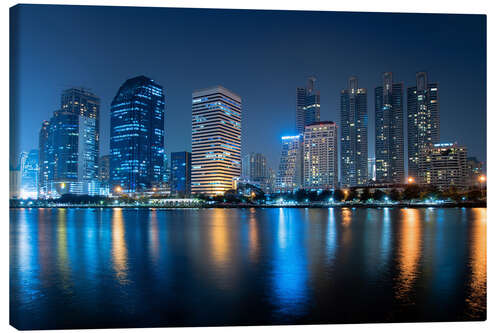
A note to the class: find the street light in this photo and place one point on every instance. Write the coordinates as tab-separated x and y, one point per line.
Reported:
411	180
482	181
118	189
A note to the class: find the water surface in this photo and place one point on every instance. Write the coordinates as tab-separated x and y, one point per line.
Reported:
90	268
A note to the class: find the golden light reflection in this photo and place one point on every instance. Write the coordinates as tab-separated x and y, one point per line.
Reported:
220	238
62	249
119	247
409	252
476	301
254	236
346	216
346	235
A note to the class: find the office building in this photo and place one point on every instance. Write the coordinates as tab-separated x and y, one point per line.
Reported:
353	135
137	136
290	172
45	165
180	174
29	174
389	136
443	165
423	120
216	140
255	167
307	105
320	156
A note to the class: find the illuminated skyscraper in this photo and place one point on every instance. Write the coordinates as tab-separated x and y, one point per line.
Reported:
290	173
45	168
389	137
180	173
255	167
423	120
354	135
308	105
137	135
320	156
216	140
29	175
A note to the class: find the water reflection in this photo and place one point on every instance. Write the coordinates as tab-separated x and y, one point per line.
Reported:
254	236
408	253
126	267
154	245
331	236
119	247
290	265
476	300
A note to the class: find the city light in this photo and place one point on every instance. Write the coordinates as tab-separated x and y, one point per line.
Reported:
118	189
411	180
482	178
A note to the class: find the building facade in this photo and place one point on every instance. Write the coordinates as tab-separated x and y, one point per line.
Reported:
29	175
354	135
308	105
290	172
423	120
137	136
320	156
389	135
444	165
180	173
216	140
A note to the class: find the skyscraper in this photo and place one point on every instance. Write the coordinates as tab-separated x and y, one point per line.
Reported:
180	173
29	175
45	167
137	135
423	120
216	140
320	156
290	173
255	168
354	128
389	137
307	105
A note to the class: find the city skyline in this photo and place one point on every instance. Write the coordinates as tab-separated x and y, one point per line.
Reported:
250	76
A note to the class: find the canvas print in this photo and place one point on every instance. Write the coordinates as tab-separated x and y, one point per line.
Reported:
214	167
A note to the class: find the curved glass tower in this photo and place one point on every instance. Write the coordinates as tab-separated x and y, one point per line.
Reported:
137	136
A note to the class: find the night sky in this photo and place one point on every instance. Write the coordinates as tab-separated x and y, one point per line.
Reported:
260	55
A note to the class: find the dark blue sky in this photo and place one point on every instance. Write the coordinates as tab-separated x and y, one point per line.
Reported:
260	55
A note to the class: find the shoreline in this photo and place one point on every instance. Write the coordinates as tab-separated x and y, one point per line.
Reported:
245	206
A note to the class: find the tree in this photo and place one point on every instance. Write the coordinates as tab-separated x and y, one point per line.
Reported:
338	195
365	195
379	195
411	192
395	195
351	195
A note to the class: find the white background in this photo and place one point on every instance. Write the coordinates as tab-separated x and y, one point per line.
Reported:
491	8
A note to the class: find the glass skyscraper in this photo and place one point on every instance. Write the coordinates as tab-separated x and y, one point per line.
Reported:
29	175
180	173
423	120
354	135
307	105
216	140
137	136
389	136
